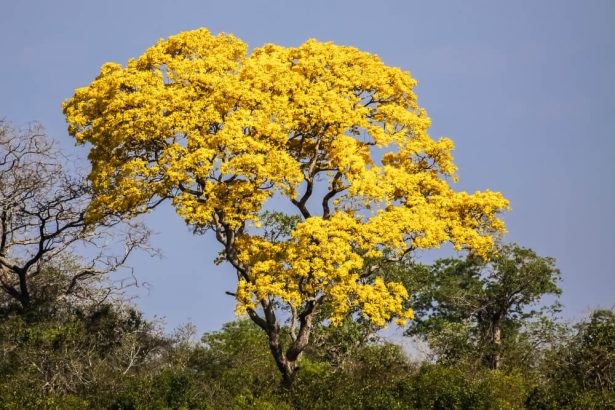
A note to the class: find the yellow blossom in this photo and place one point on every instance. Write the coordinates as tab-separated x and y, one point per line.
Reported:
329	129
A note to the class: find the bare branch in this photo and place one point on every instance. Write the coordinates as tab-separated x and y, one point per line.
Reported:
43	220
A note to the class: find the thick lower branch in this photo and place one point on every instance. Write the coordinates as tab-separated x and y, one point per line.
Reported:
24	298
260	322
286	361
301	204
302	339
286	367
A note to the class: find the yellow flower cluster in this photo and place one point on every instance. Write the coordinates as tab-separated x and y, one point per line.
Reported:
198	120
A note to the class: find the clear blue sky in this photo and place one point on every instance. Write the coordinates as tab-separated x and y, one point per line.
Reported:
526	89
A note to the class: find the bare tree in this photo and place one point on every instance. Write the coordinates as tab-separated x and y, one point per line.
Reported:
43	223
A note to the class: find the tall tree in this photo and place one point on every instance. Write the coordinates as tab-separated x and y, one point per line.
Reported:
472	308
330	130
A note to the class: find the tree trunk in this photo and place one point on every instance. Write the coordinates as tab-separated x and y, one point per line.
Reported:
497	344
287	367
24	294
286	360
495	355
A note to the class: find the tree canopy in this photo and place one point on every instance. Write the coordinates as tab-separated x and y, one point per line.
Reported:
480	310
330	130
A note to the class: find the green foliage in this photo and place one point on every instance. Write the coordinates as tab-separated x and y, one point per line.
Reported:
443	388
278	226
62	355
593	359
237	352
336	344
580	371
51	360
232	368
465	306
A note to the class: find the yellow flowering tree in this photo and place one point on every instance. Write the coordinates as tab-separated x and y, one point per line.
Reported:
330	130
